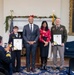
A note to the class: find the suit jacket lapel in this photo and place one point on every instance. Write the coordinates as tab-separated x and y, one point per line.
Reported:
14	35
33	28
29	29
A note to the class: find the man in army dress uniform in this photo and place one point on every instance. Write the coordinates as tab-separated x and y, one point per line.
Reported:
61	30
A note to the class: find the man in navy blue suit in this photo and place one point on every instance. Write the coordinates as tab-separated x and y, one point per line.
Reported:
5	57
30	36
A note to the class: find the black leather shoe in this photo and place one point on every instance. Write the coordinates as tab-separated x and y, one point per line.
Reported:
33	70
28	70
45	67
61	68
42	67
54	68
17	70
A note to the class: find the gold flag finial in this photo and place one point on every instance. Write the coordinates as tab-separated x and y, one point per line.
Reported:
11	12
53	17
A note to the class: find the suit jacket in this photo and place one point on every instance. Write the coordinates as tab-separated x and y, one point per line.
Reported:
4	61
30	36
61	30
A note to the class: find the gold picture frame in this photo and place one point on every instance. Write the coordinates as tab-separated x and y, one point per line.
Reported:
71	16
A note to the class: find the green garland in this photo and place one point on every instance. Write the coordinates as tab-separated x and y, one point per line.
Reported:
10	17
6	23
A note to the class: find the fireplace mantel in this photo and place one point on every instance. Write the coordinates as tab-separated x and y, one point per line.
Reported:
21	22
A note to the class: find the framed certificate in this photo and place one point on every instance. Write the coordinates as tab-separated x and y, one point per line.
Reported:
57	38
17	44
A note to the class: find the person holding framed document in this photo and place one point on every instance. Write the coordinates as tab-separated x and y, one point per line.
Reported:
16	41
59	37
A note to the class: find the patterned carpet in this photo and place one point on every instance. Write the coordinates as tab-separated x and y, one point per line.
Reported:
49	71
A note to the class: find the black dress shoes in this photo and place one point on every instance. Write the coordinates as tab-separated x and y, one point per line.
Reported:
33	70
54	68
45	67
42	67
28	70
61	68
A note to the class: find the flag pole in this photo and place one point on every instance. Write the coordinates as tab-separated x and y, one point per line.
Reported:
11	24
53	17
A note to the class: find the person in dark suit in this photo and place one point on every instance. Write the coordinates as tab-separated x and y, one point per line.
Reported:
58	29
15	54
30	36
5	59
44	39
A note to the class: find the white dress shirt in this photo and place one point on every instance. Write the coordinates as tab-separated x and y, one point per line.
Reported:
32	26
16	34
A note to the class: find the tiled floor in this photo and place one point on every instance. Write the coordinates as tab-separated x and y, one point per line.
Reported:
49	63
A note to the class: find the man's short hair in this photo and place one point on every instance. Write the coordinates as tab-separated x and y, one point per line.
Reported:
15	27
0	39
58	18
31	16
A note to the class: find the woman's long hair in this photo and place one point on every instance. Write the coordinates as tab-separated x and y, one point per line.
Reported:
46	28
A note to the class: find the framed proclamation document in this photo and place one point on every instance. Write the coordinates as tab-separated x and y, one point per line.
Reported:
57	38
17	44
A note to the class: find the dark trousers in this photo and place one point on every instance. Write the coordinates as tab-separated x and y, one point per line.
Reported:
6	68
44	53
4	71
30	49
71	65
44	50
43	60
16	55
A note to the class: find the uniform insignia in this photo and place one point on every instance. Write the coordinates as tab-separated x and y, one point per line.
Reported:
61	28
53	29
13	37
